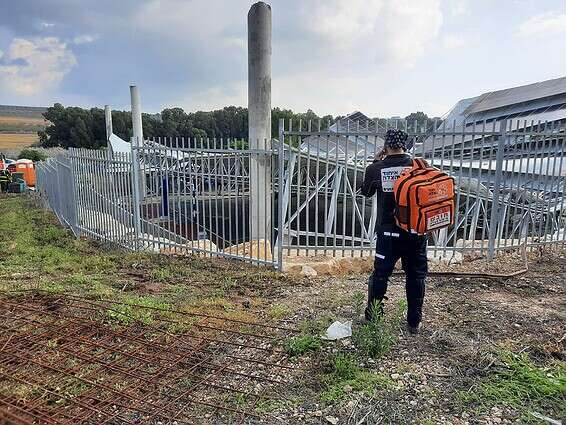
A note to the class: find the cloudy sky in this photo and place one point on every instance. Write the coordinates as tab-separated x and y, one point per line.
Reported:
383	57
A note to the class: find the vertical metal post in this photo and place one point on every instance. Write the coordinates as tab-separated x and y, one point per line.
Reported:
281	193
259	124
494	218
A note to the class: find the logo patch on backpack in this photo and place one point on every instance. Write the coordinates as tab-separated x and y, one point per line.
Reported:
390	175
438	219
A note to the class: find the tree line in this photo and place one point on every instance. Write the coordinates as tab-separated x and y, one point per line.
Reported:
85	128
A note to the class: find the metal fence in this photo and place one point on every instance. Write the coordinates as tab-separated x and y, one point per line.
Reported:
510	179
195	196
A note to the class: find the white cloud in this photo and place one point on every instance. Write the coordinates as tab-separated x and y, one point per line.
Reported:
545	24
84	39
397	31
458	7
34	66
452	41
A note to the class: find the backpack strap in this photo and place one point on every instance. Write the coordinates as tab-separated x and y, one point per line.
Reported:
420	163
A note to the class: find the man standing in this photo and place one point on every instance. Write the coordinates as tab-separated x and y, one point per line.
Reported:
394	243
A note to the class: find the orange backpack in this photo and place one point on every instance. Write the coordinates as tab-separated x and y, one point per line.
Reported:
425	198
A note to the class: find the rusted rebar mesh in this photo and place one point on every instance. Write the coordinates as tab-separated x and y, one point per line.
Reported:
67	360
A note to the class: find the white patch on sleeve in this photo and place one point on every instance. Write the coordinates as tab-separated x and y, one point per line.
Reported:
390	175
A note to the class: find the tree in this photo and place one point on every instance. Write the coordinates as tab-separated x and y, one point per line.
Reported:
79	135
32	154
77	127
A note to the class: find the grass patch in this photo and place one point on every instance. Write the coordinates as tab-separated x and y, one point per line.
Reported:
268	405
343	375
300	345
279	311
131	312
375	338
522	386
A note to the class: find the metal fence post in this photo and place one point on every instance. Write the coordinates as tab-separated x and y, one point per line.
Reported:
496	200
135	143
281	193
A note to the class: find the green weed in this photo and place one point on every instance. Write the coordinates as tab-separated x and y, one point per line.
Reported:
358	300
301	345
375	338
161	274
343	375
522	386
130	311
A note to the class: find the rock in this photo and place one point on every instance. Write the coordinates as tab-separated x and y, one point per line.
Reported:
292	268
332	419
348	388
317	413
395	376
326	268
308	271
413	403
448	257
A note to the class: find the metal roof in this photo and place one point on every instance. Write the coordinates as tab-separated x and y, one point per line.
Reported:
353	122
530	92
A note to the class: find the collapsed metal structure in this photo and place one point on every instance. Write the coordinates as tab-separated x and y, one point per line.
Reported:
194	195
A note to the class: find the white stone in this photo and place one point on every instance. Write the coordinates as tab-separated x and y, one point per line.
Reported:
308	271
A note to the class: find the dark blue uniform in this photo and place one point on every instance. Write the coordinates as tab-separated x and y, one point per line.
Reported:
393	243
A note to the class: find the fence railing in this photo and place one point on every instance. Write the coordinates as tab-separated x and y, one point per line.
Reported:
197	196
510	179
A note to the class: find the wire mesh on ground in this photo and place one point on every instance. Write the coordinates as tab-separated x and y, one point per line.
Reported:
67	360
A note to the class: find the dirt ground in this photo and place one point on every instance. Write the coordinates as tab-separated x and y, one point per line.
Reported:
466	322
490	351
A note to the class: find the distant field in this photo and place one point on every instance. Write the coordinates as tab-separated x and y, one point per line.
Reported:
17	141
10	120
21	119
14	124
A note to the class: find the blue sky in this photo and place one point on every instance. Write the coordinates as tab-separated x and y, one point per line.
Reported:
383	57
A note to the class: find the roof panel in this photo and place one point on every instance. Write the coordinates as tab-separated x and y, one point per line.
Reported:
501	98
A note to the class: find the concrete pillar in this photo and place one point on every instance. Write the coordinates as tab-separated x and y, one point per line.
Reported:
137	137
259	118
136	115
108	120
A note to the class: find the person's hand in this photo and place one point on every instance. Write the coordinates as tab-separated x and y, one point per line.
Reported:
380	155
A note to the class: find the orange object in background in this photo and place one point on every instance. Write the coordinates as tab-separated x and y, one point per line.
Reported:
27	167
